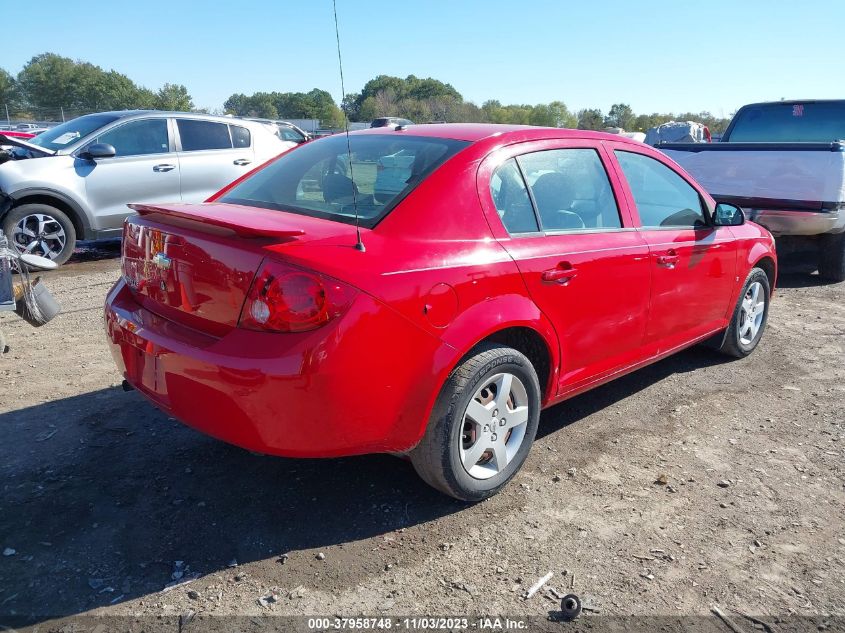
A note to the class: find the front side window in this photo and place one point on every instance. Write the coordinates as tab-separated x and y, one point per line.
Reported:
137	138
663	198
571	190
511	198
322	179
196	135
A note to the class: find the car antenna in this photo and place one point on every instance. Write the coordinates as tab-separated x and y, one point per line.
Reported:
359	244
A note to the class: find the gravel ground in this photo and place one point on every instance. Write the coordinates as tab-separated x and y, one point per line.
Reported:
694	482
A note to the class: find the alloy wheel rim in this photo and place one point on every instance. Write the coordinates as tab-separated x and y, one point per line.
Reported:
39	234
751	313
493	426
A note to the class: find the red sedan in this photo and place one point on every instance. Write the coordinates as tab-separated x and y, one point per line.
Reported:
509	269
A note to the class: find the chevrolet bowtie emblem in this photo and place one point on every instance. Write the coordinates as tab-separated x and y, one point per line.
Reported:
162	261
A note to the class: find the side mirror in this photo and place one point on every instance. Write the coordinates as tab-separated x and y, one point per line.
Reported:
99	150
728	215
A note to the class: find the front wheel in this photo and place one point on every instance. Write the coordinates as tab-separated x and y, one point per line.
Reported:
41	230
482	425
749	317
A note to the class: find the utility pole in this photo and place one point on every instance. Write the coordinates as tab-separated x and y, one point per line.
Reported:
8	120
63	113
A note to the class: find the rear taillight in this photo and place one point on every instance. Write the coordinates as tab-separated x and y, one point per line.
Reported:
131	268
283	298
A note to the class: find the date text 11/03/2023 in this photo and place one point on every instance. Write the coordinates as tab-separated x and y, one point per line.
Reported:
419	623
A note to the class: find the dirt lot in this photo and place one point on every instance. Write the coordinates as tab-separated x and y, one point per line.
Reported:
106	501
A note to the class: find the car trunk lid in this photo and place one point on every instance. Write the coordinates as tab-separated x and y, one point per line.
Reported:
193	264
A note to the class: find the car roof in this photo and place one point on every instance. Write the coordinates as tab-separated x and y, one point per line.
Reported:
125	114
474	132
793	102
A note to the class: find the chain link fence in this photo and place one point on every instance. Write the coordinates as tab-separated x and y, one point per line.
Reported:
13	115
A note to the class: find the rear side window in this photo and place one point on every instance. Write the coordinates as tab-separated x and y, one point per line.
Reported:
240	136
571	190
198	135
137	138
511	198
790	122
322	179
663	198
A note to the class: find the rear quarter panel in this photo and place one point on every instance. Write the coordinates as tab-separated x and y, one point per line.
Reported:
434	261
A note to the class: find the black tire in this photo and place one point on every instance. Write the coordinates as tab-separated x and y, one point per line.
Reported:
832	257
19	213
733	344
437	457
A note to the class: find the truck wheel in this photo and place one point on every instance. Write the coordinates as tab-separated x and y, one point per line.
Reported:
482	425
749	317
832	257
42	230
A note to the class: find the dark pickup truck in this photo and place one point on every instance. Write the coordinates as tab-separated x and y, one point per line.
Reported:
784	164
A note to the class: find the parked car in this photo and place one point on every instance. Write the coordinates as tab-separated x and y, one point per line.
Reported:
392	173
74	180
519	266
390	121
287	131
17	134
784	164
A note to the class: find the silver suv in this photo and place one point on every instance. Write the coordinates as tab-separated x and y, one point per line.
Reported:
74	180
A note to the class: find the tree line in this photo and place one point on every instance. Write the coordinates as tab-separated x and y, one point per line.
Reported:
427	100
50	84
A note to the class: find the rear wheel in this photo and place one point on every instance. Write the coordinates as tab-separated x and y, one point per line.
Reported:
832	257
482	425
41	230
749	317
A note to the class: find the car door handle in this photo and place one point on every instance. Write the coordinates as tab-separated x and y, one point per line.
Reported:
164	167
242	161
561	274
669	259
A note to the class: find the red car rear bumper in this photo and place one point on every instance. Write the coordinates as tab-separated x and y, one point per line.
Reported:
343	389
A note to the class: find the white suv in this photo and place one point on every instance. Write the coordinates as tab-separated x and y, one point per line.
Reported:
74	180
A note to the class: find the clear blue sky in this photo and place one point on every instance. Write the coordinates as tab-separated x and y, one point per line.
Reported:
654	55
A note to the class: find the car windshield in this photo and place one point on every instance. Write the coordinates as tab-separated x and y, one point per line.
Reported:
319	179
817	122
68	133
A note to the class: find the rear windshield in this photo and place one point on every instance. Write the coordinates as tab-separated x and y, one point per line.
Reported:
68	133
322	180
789	123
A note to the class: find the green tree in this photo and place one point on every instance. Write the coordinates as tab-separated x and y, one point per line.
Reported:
174	97
235	104
554	114
8	90
350	106
621	115
52	82
590	119
384	93
368	109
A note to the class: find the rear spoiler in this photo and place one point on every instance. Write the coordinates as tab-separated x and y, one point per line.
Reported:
7	140
244	221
